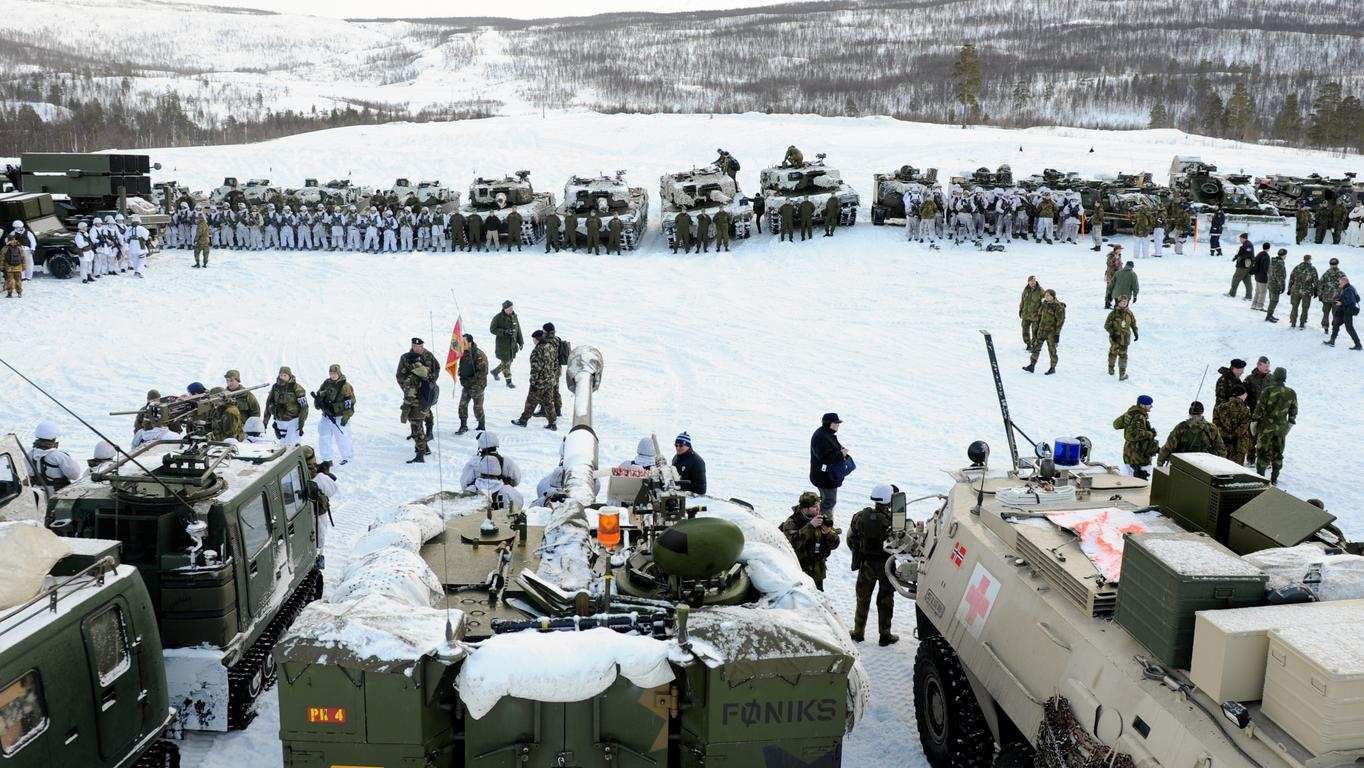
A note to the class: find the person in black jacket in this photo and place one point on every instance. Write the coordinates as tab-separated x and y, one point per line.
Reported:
691	468
1215	225
1261	273
1245	262
825	452
1343	314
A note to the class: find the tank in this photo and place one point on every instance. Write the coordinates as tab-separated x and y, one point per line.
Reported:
423	192
890	189
1062	613
228	192
708	189
500	197
1289	193
808	180
676	630
611	197
82	681
1121	198
258	191
56	244
226	538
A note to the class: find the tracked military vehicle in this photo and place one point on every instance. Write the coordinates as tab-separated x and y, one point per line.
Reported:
227	539
1122	196
228	192
499	197
611	197
706	190
1069	615
676	630
811	181
1002	177
56	251
81	675
890	189
1289	193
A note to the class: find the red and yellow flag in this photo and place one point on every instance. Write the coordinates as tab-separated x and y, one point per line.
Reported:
457	349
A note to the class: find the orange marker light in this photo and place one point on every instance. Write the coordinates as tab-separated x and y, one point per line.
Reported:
608	529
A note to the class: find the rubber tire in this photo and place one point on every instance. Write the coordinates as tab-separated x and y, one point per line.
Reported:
952	729
60	265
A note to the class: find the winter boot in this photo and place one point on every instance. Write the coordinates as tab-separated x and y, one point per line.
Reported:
1274	475
1271	319
1122	377
1141	474
480	426
420	458
1029	367
550	426
856	635
1095	249
889	639
463	427
1050	371
497	374
510	385
519	422
1329	342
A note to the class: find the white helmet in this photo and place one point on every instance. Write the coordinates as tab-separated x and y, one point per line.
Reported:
45	430
82	226
104	451
18	224
881	494
253	426
487	440
119	217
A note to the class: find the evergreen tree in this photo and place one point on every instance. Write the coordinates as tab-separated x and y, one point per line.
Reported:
1241	123
1160	118
1323	129
1288	123
966	81
1212	116
1020	100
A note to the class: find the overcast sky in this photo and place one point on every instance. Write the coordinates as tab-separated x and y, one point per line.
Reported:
519	9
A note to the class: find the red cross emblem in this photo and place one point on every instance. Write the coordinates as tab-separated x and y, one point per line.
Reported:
978	600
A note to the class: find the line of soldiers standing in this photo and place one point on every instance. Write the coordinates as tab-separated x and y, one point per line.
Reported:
799	216
561	232
1250	423
1334	218
1339	298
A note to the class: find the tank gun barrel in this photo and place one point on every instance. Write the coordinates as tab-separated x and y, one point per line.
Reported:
583	373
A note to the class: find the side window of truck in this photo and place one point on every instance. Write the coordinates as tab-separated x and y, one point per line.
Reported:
23	713
255	525
9	479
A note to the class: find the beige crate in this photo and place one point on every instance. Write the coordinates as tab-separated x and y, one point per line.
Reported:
1230	647
1314	686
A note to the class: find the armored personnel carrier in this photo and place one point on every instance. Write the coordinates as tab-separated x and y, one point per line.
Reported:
1070	615
891	188
1121	196
423	192
499	197
56	244
1002	177
611	197
258	191
676	630
706	190
811	181
227	540
81	675
1289	193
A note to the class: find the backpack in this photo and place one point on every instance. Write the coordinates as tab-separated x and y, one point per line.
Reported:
565	349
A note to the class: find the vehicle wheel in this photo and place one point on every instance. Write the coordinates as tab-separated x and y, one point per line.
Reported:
257	684
1016	754
952	728
1210	188
60	265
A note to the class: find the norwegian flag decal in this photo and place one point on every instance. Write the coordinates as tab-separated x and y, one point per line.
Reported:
958	554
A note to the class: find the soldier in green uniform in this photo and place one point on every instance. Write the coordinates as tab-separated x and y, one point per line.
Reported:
1276	411
571	231
703	232
202	240
473	380
1302	287
794	158
1124	284
1096	226
807	219
227	419
287	404
614	229
594	231
455	229
506	329
514	222
1229	377
1051	316
682	232
1327	288
417	367
335	398
1142	225
246	401
866	540
552	225
812	536
1232	419
544	377
722	222
787	214
1028	308
1121	327
564	349
1321	222
1278	283
474	229
1192	435
1340	216
832	209
1303	220
1256	381
1138	436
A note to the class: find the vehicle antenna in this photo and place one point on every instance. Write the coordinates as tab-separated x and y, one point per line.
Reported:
440	479
1200	382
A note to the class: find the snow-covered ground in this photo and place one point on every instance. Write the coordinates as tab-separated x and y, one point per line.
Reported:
743	350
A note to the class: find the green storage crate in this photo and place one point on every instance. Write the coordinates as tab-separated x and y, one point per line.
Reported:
1274	519
61	162
1168	577
1203	490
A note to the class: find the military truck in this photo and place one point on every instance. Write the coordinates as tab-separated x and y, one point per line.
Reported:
1071	615
227	541
86	185
890	189
676	630
611	197
1289	193
56	244
811	181
499	197
705	190
81	675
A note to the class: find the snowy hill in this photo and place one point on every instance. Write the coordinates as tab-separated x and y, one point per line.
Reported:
744	350
1051	62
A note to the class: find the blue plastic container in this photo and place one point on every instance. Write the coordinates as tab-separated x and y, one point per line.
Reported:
1066	453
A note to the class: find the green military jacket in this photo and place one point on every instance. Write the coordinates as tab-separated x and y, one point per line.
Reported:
1276	409
246	402
812	545
1278	274
1046	209
336	399
1125	283
928	209
407	374
1120	325
1051	315
867	535
1031	302
229	423
682	227
514	221
722	222
832	209
1329	284
1138	437
1193	435
473	370
1142	223
1303	279
544	364
507	330
287	401
1232	419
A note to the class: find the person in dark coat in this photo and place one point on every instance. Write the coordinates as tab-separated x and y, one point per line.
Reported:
1346	307
825	452
1245	262
691	468
1261	274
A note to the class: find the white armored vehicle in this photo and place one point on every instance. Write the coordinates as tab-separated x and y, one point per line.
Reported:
1069	615
889	204
259	190
799	181
229	192
424	192
500	197
611	197
709	190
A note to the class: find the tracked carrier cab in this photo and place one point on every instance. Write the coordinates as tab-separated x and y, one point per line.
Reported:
672	631
226	538
706	190
1289	193
81	675
611	197
889	205
1072	615
499	197
1200	185
811	181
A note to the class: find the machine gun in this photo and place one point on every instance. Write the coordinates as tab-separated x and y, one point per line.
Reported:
189	414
